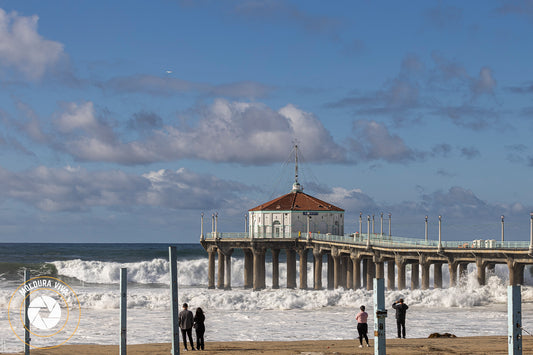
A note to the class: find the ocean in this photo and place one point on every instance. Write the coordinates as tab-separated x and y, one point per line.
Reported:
92	271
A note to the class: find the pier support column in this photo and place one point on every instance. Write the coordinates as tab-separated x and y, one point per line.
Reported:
227	281
220	276
248	268
491	268
259	269
211	251
390	275
463	270
415	276
335	254
452	270
317	275
480	266
400	265
356	263
437	275
303	268
380	267
331	272
291	268
365	272
344	272
371	273
424	265
227	268
516	272
349	272
275	268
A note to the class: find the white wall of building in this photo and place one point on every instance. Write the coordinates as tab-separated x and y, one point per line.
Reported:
283	223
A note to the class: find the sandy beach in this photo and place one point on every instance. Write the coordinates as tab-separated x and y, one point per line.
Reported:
467	345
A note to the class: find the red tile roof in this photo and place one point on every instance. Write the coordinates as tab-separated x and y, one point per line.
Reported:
296	201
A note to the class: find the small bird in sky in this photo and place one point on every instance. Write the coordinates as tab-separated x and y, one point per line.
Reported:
168	71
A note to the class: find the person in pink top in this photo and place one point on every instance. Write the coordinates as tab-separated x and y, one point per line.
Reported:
362	326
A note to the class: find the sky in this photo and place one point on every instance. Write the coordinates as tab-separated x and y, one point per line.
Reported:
123	121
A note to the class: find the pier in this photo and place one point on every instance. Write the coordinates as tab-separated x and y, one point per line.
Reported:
304	227
353	260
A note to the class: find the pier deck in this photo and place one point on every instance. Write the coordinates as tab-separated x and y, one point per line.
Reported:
355	259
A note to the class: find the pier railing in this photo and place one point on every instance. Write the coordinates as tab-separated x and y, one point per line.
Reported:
377	240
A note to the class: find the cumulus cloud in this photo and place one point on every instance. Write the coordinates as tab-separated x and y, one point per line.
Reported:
401	98
373	141
398	96
238	132
349	199
23	48
76	189
469	116
461	210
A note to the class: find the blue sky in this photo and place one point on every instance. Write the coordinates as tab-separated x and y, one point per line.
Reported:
123	121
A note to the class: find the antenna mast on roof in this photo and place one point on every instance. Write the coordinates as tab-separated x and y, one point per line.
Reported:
296	187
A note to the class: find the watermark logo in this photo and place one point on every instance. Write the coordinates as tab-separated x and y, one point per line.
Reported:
45	308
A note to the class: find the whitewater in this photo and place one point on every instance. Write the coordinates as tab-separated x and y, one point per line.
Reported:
277	315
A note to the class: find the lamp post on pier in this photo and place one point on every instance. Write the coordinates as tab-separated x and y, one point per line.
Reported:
216	224
213	226
360	222
390	229
502	227
440	245
202	227
368	231
381	224
426	228
531	234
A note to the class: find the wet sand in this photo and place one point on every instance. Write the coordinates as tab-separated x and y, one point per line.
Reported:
468	345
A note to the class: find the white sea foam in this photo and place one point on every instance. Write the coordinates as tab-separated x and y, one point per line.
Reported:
156	296
283	314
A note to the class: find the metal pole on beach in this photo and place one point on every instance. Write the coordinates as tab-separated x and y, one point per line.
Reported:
173	259
27	338
380	315
123	309
514	320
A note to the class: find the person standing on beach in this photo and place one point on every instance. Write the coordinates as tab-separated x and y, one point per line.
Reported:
186	320
401	309
199	326
362	326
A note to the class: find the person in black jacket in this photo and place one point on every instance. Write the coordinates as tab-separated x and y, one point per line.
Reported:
401	309
199	326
